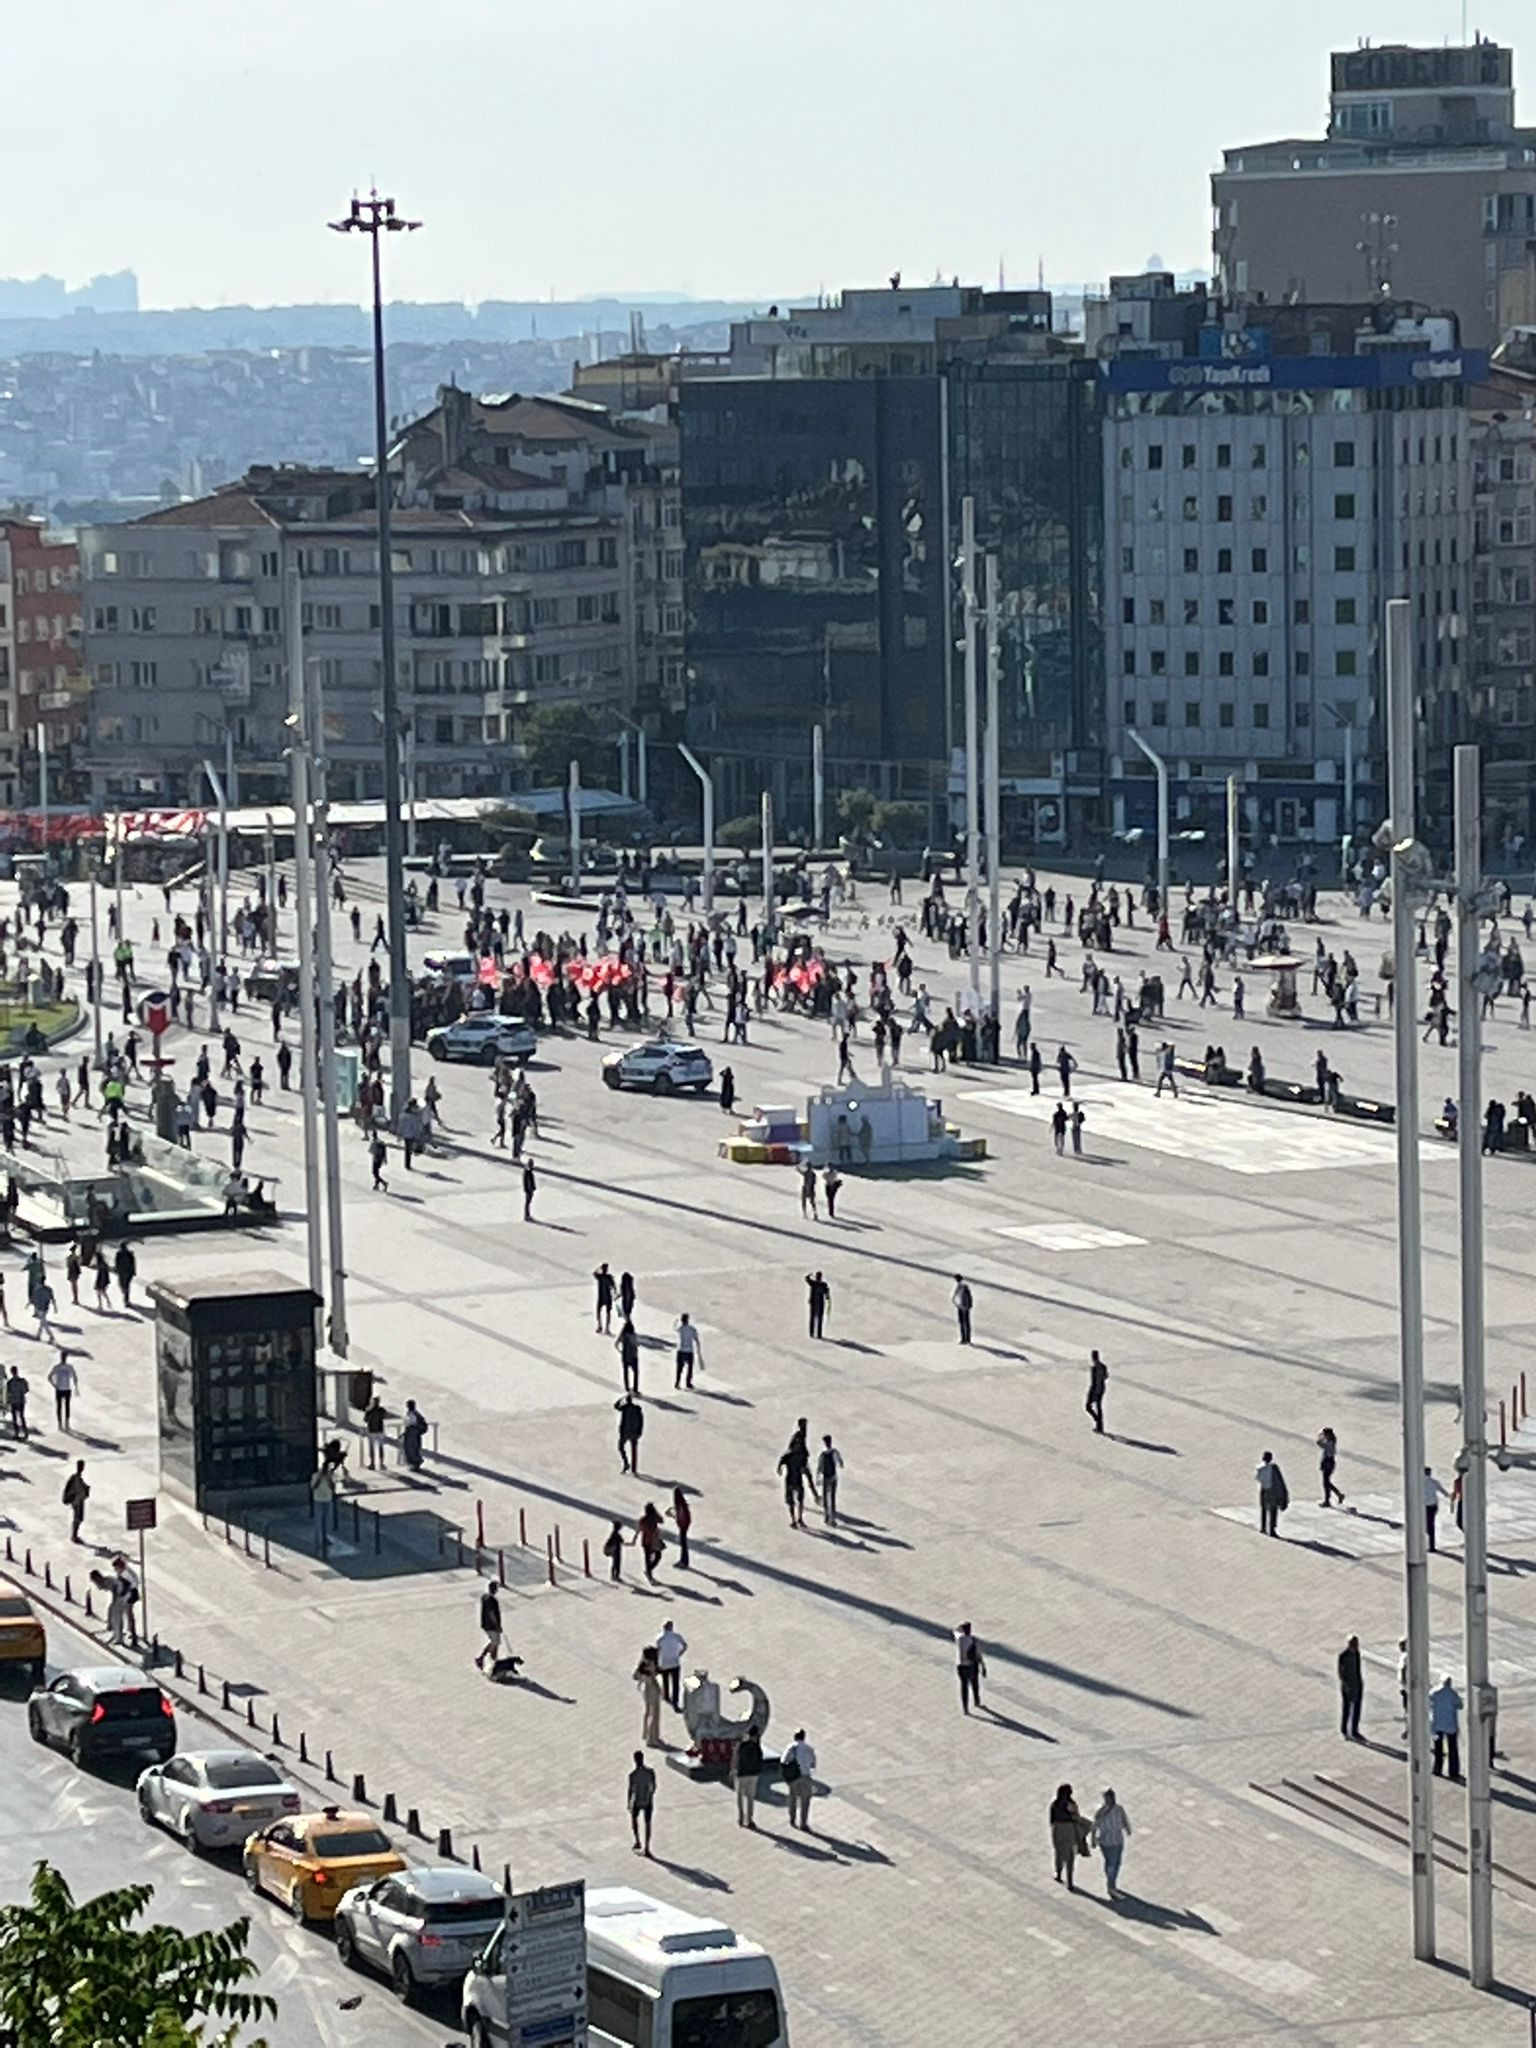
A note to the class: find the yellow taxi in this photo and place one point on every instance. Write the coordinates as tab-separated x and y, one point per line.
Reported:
22	1640
308	1862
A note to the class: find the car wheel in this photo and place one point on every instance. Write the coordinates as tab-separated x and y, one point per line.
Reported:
39	1671
76	1751
346	1947
146	1809
403	1978
488	1057
610	1077
35	1726
194	1841
437	1052
663	1084
252	1876
296	1906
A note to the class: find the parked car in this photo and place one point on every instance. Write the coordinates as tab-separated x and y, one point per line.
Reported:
484	1038
22	1637
461	967
419	1927
212	1798
310	1863
659	1064
109	1710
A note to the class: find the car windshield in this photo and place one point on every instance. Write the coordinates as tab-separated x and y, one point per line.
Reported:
225	1774
728	2019
352	1842
486	1913
14	1609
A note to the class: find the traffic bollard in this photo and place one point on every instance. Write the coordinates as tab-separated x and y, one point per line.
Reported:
48	1574
181	1665
391	1813
445	1842
27	1562
474	1855
277	1734
250	1711
202	1680
1503	1440
303	1747
413	1823
359	1790
90	1606
330	1770
586	1558
69	1592
522	1530
224	1700
549	1553
558	1558
501	1568
479	1525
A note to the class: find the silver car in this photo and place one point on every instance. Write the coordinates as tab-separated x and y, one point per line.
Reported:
419	1927
660	1064
484	1037
214	1798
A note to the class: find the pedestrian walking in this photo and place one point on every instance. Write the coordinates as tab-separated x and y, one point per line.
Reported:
613	1550
682	1515
829	1466
1327	1459
17	1387
963	1300
1166	1077
1078	1120
1059	1128
627	1295
530	1189
831	1187
808	1192
631	1428
746	1769
102	1278
1274	1497
76	1493
671	1649
603	1279
64	1381
818	1300
374	1417
627	1345
651	1538
1445	1726
1351	1690
490	1626
648	1685
690	1351
799	1766
642	1803
794	1465
1098	1380
125	1265
413	1436
971	1666
1110	1833
1434	1493
1066	1835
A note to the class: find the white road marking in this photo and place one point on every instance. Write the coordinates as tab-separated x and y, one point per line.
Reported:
1069	1237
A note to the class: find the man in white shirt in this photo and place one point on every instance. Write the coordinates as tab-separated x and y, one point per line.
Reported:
63	1379
1434	1493
689	1351
671	1649
799	1780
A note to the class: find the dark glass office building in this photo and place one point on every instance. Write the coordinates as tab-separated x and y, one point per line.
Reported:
814	523
821	521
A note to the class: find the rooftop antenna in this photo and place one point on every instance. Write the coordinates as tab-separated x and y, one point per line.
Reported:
1040	272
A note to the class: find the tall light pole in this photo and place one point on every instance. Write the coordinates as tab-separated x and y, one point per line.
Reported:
972	748
1407	865
1160	769
375	218
1473	1462
304	919
706	784
992	792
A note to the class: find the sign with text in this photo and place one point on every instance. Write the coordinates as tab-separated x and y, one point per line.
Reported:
140	1514
544	1953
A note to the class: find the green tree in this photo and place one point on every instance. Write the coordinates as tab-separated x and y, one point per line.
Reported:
743	833
901	822
557	734
856	810
81	1974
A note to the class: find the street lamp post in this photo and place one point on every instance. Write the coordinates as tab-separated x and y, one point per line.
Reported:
992	791
972	749
706	783
1160	769
376	217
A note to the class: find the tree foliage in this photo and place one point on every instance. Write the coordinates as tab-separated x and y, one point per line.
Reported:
82	1974
856	811
901	822
557	734
743	833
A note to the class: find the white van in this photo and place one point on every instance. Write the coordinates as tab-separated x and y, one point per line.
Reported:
657	1977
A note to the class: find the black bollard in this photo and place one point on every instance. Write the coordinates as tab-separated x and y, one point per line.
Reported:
360	1790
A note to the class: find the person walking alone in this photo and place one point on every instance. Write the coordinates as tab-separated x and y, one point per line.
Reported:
971	1666
76	1493
800	1781
818	1292
690	1351
1110	1833
649	1686
490	1624
375	1415
1098	1380
631	1428
64	1381
627	1345
641	1800
1351	1690
1274	1497
1327	1459
963	1302
530	1189
1445	1726
746	1769
671	1649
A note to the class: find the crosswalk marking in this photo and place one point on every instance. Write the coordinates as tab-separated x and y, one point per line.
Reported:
1069	1237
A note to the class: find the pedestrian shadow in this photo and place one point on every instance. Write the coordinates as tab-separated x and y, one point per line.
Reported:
692	1873
96	1443
564	1229
1002	1351
1381	1748
543	1692
858	1852
1136	1443
726	1400
841	1542
852	1344
729	1585
645	1592
669	1407
682	1592
650	1343
1148	1913
1320	1549
1016	1727
848	1223
798	1845
415	1201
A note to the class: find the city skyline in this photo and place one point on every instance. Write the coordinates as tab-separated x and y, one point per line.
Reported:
582	178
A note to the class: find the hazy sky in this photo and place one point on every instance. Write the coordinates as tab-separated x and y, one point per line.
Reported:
730	148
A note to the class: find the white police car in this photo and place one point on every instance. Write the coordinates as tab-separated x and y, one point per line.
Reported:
484	1038
661	1065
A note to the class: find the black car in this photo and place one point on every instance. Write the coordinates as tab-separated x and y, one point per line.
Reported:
111	1711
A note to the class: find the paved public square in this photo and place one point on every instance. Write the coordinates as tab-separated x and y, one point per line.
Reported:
1234	1263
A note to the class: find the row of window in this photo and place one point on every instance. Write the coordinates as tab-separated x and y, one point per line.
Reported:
1258	455
1257	714
39	580
1347	559
43	632
1154	661
236	565
1344	611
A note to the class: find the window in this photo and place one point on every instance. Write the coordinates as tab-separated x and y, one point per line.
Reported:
615	2007
1159	711
1224	663
1155	456
1261	717
1191	611
1260	611
1302	662
1301	611
1258	561
1191	508
1343	504
1226	609
1189	455
747	2019
1126	458
1191	661
1157	612
1261	664
1224	511
1344	661
1259	509
1343	561
1343	454
1158	662
1191	714
1128	661
1128	711
103	618
1223	561
1127	561
1343	611
142	675
1258	456
1191	561
1226	715
141	618
1303	714
270	565
1128	611
1223	454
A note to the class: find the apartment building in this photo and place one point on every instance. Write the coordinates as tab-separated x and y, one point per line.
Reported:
514	581
44	689
1504	590
1271	478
